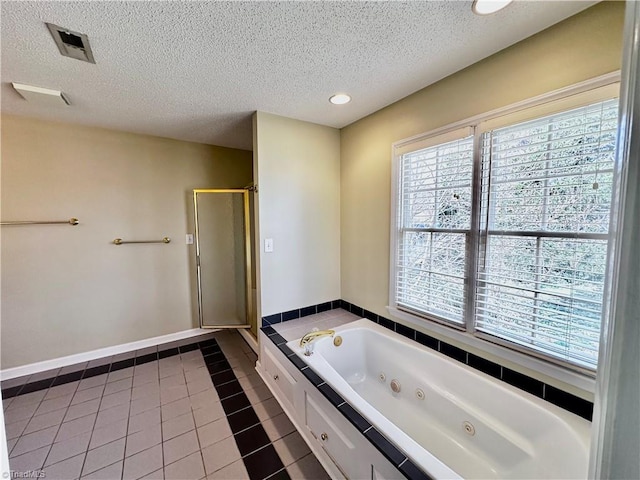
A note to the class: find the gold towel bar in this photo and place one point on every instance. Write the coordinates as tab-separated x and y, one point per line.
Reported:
71	221
119	241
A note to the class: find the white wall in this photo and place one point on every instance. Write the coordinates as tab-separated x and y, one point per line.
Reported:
68	290
297	169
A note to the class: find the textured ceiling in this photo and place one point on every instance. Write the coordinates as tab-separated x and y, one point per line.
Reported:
197	70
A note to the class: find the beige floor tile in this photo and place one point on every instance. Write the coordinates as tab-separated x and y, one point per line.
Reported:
197	375
176	391
208	414
157	475
220	454
143	440
62	390
66	469
177	426
180	447
76	427
47	406
146	390
92	382
267	409
15	429
173	380
142	463
214	432
112	472
17	412
199	386
307	468
291	448
146	369
144	420
235	471
87	394
146	379
108	433
118	385
82	409
34	441
105	455
278	426
40	422
251	381
258	394
32	460
68	448
145	403
204	399
171	394
175	409
119	398
107	417
168	370
189	468
120	374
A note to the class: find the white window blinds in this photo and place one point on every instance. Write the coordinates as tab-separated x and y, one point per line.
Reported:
546	197
434	221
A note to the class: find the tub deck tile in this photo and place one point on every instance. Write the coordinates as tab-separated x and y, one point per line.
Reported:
412	472
385	447
330	394
354	417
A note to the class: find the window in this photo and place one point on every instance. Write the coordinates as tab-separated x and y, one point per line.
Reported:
502	230
436	222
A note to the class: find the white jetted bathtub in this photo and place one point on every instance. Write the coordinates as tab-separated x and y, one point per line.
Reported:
452	420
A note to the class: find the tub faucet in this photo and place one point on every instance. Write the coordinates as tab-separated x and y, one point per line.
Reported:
305	341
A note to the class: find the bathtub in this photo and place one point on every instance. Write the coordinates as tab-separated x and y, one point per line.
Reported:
451	420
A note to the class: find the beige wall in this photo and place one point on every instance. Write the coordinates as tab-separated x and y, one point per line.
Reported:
67	289
582	47
297	167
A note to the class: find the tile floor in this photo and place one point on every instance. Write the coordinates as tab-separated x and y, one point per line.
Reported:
184	411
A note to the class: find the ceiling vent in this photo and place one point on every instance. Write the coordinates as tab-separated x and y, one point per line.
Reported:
71	44
41	96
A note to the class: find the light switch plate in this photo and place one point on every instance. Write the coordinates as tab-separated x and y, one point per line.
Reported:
189	238
268	245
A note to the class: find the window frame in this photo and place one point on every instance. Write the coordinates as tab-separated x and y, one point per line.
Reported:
590	91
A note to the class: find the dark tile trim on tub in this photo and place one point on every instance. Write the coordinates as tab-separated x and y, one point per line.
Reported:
388	449
560	398
300	312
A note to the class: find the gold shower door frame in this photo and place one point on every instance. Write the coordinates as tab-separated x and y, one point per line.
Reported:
247	254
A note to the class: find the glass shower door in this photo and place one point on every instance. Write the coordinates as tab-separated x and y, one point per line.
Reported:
223	257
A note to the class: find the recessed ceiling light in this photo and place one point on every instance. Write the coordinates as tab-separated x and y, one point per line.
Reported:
340	99
487	7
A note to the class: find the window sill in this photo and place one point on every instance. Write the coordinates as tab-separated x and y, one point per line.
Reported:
556	372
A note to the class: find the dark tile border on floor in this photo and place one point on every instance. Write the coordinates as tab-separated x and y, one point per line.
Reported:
258	454
22	386
549	393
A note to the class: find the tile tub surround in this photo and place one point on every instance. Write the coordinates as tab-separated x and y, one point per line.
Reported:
560	398
190	409
300	312
277	333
